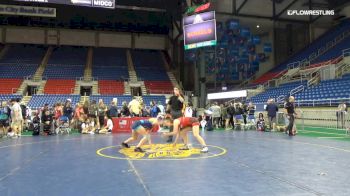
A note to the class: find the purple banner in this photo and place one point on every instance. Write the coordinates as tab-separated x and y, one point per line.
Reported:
198	18
200	32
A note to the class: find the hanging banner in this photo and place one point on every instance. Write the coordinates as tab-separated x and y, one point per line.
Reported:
89	3
27	11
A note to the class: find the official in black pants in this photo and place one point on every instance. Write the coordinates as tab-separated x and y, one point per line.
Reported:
175	106
290	110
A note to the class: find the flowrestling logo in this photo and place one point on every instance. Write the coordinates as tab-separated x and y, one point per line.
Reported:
310	12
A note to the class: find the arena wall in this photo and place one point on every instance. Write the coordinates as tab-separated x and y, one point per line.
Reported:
29	35
78	38
150	42
120	40
24	35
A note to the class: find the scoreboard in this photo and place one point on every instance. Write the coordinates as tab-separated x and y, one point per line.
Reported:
199	30
90	3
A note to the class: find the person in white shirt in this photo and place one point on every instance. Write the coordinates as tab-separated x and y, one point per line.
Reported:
342	111
135	107
16	118
216	114
161	108
189	110
109	126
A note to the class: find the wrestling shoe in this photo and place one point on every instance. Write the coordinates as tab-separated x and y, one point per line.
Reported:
185	147
125	145
138	149
204	149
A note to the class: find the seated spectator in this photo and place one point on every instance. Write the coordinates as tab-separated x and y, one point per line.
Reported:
36	124
260	125
47	121
109	126
88	127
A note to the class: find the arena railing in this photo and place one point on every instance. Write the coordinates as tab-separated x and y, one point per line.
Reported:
321	102
330	119
156	91
297	90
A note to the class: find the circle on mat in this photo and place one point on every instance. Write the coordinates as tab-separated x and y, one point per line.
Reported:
160	152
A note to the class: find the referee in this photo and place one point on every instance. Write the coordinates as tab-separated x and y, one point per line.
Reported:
175	107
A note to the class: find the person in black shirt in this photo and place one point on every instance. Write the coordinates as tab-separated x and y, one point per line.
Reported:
47	120
290	112
175	107
230	114
68	110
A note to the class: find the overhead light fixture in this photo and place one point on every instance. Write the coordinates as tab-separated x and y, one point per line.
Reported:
257	26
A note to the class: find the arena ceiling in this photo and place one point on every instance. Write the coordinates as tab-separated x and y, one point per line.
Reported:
253	12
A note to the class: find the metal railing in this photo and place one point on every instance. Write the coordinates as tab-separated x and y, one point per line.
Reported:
331	119
321	102
297	90
157	91
314	80
280	99
306	62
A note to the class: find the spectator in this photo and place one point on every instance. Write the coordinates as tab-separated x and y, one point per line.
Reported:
68	110
86	106
154	109
25	114
145	111
102	109
58	111
125	110
189	110
88	127
113	110
4	118
175	107
251	112
44	109
79	116
16	118
290	112
216	114
272	110
260	125
93	110
230	115
108	128
238	111
47	121
161	108
225	116
342	110
135	107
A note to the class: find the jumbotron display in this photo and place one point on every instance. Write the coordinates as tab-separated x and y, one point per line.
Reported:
89	3
199	30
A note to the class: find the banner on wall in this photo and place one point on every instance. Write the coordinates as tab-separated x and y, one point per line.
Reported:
89	3
27	11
